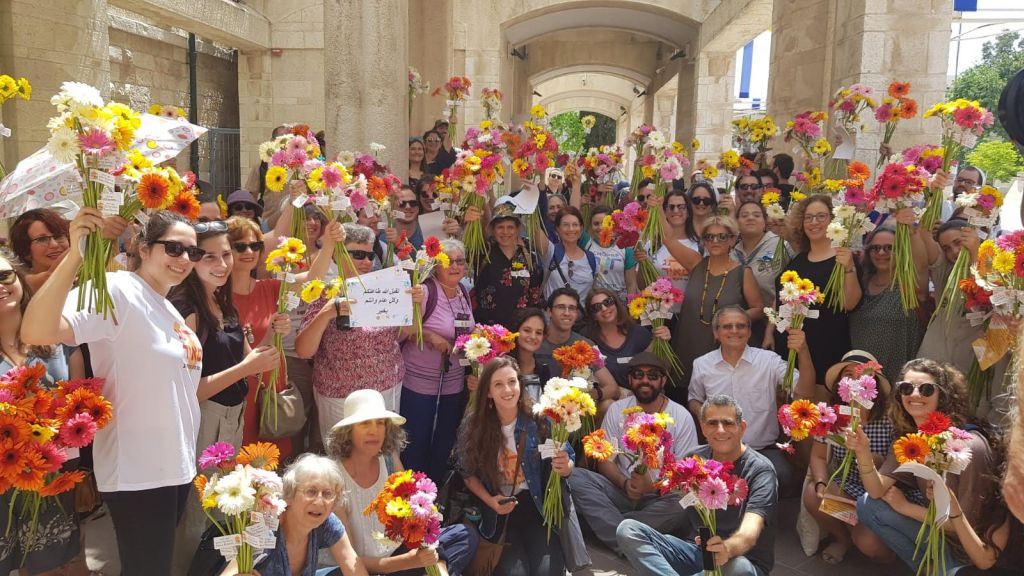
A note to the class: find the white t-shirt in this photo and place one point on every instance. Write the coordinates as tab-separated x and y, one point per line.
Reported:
507	461
152	362
661	258
683	430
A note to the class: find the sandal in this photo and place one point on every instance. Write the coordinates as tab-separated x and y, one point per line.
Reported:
834	553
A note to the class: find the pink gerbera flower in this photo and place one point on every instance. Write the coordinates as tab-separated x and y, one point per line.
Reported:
78	431
95	142
713	493
216	454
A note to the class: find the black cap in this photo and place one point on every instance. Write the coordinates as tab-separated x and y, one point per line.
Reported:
648	359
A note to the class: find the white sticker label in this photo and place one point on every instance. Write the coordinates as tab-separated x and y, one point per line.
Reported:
105	178
109	208
321	200
226	542
271	520
252	539
520	273
289	278
624	360
292	301
340	204
407	264
688	500
463	323
106	162
381	225
464	362
108	195
300	201
141	217
547	449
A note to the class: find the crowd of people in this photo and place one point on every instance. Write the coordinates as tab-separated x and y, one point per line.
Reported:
196	315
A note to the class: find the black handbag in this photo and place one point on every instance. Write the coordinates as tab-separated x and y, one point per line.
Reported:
208	561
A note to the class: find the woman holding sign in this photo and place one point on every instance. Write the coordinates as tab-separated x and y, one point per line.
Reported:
926	387
346	359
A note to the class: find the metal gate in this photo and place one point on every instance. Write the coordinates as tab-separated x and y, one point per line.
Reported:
222	159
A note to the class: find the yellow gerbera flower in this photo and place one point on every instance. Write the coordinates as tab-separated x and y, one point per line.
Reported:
312	290
276	178
538	111
1003	262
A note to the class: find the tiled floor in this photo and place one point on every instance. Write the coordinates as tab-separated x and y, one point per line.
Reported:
789	558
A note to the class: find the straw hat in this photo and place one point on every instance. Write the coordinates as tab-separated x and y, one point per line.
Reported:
834	372
364	405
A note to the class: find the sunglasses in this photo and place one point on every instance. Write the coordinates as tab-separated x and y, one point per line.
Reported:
650	373
720	237
676	207
907	388
215	226
702	201
7	277
241	247
606	303
408	204
555	176
642	199
361	254
238	207
749	187
883	248
175	249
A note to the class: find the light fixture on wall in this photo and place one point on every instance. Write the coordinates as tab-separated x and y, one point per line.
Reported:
538	94
518	54
681	53
624	111
639	92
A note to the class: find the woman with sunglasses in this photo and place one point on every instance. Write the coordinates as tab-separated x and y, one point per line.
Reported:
815	259
434	158
755	250
204	300
703	203
680	217
56	546
973	539
256	302
616	334
878	324
346	359
716	281
151	362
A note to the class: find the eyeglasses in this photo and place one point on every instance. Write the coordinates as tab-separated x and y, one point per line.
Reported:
817	218
650	373
908	388
7	277
408	204
676	207
241	247
46	240
702	201
361	254
565	308
606	303
433	141
883	248
175	249
723	422
311	493
968	181
749	187
239	206
720	237
456	262
214	226
736	326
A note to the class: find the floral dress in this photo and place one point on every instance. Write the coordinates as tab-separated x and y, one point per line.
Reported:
503	286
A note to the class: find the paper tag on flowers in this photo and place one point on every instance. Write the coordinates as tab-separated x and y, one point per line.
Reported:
228	542
104	178
292	301
300	201
547	449
688	500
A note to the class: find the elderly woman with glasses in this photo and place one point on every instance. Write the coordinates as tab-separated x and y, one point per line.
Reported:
344	358
313	484
716	281
433	383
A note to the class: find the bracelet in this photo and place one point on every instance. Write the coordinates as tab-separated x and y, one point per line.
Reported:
955	517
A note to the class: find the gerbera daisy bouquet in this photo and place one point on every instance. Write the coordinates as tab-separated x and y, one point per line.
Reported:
627	226
476	172
637	140
490	100
579	360
406	507
283	262
167	111
859	393
944	449
897	105
803	419
706	486
772	202
981	207
729	162
456	90
601	165
847	104
901	185
41	427
535	153
485	343
565	403
663	162
149	188
339	193
805	129
751	134
846	230
652	307
417	87
247	492
10	88
426	258
381	188
963	122
94	136
645	441
290	158
796	297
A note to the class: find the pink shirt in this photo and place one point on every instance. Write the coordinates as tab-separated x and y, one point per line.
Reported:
423	367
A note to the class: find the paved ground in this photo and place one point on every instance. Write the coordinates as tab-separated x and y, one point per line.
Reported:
789	558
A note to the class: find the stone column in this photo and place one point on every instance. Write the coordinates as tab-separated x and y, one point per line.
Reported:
715	81
686	97
366	77
868	41
68	40
430	52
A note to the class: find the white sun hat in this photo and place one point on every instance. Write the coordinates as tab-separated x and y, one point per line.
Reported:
363	405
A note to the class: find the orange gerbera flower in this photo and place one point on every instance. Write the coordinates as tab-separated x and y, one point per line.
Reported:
13	428
596	447
805	413
186	204
86	401
30	476
899	89
858	171
377	188
23	379
152	190
908	108
200	485
62	483
259	455
11	459
911	448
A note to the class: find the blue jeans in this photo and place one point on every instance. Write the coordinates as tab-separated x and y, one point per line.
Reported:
655	554
899	532
429	447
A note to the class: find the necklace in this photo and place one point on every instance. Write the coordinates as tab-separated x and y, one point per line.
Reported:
704	294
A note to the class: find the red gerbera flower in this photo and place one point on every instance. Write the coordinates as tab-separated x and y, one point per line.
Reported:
432	245
936	423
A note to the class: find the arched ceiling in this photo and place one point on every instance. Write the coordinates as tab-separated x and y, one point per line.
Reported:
660	23
628	74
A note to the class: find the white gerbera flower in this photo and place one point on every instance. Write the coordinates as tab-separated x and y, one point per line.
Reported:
836	233
789	292
267	150
81	94
235	494
967	200
657	139
775	212
844	211
346	158
63	145
476	347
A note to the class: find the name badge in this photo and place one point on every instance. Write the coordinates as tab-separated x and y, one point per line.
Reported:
463	324
520	273
624	360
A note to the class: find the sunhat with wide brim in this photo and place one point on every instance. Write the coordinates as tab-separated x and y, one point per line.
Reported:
835	371
364	405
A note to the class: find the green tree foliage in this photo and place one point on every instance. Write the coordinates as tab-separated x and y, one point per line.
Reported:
984	82
603	132
999	159
568	131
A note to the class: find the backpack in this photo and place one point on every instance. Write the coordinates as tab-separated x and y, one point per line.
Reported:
431	303
556	261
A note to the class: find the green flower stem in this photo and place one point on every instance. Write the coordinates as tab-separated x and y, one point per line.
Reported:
553	494
835	290
905	274
952	300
